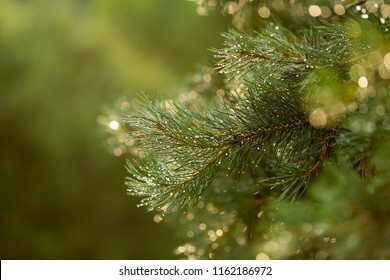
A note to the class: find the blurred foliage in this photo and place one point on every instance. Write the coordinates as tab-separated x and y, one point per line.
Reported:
61	62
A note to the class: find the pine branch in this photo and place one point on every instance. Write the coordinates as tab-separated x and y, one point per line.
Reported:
185	149
265	126
293	178
243	53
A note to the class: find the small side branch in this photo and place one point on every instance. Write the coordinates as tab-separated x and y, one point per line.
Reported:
267	130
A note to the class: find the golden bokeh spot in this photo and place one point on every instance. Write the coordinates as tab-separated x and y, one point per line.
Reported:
335	110
202	226
202	11
207	77
385	11
264	12
383	71
125	105
363	82
307	227
114	125
231	8
200	204
213	238
285	236
190	216
241	240
118	152
386	61
318	118
262	256
271	246
372	6
339	9
157	218
278	5
314	10
129	142
326	12
326	239
374	58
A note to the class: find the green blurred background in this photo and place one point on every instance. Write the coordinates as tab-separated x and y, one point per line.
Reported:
61	64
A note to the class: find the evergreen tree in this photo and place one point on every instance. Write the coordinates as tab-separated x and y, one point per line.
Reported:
291	160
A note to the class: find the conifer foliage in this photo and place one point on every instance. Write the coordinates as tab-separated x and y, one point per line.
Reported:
291	159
